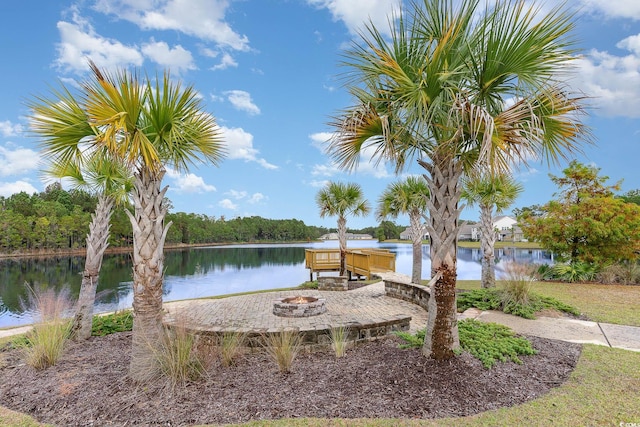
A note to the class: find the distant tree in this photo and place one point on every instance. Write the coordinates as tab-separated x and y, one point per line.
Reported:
585	222
408	197
488	192
339	199
388	230
631	196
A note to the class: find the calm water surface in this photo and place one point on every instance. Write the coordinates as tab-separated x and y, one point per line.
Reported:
210	271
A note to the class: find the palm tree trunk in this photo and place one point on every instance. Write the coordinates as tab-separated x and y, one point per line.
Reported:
488	243
342	240
97	243
149	234
416	239
441	338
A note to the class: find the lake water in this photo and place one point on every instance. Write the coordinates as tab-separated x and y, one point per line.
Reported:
201	272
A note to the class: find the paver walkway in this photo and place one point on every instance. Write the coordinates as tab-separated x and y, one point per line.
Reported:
369	304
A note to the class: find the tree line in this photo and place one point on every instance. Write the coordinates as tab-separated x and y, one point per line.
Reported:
57	219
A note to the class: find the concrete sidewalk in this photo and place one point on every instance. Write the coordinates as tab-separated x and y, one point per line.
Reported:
564	329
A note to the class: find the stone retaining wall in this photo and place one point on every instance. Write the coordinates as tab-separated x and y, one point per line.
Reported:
333	283
411	292
314	339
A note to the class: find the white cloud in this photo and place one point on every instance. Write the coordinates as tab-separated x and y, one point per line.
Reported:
242	101
9	188
227	204
320	139
8	129
614	8
240	146
324	170
79	42
204	19
354	13
319	183
238	195
257	198
17	161
613	82
225	62
176	59
188	183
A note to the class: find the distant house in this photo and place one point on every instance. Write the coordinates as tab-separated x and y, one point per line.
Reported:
406	234
506	228
469	232
350	236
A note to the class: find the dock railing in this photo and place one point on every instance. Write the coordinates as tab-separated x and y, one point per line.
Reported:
360	262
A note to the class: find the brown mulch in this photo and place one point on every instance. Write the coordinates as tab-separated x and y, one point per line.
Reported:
89	386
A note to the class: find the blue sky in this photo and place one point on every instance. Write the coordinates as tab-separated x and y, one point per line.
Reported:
268	71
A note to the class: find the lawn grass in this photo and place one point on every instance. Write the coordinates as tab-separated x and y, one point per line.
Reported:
616	304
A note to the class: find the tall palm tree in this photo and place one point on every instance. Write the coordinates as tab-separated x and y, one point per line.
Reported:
407	197
147	124
489	192
339	199
112	182
456	84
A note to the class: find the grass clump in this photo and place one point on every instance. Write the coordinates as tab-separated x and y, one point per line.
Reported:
176	358
488	342
112	323
283	347
230	347
339	340
44	344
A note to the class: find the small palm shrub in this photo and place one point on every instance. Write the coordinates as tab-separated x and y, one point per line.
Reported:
45	343
339	340
230	347
572	272
283	347
488	342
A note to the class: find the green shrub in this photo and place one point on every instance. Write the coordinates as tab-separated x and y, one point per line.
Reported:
482	299
120	321
494	299
488	342
283	347
309	285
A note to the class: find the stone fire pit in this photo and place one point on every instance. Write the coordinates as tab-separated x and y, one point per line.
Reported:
299	306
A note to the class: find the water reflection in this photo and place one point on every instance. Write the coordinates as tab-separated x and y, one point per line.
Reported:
210	271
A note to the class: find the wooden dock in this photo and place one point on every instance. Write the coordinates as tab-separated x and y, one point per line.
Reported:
362	262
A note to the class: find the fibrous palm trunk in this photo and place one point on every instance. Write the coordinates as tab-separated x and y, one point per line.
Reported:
441	338
487	244
416	239
342	240
149	234
97	243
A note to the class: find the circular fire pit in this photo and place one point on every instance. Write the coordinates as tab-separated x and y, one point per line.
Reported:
299	306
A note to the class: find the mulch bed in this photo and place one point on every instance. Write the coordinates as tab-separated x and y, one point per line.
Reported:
89	386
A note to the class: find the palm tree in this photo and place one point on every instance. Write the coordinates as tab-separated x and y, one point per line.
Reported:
457	84
338	199
112	182
147	124
489	191
407	197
